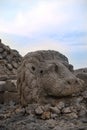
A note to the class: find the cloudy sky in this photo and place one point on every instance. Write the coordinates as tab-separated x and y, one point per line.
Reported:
29	25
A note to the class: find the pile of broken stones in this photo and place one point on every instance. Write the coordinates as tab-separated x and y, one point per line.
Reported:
30	101
9	61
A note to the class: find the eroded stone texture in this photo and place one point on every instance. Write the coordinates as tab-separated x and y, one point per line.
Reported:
44	75
82	74
8	91
9	60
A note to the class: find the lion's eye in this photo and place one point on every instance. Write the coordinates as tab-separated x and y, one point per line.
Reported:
41	71
33	68
56	68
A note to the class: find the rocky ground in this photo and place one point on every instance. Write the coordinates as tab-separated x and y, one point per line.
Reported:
66	113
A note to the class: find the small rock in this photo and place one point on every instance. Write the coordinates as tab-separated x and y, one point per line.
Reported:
9	66
2	86
10	86
61	105
54	116
46	115
4	54
79	99
39	110
47	107
73	109
72	115
84	120
14	81
1	116
14	71
54	110
20	110
66	110
15	65
9	58
51	123
12	104
16	53
83	111
78	107
3	78
7	49
58	128
30	109
85	94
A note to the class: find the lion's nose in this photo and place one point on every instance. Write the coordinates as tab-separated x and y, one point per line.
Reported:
72	81
39	73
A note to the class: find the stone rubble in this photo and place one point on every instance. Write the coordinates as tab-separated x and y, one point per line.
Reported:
9	60
8	91
37	116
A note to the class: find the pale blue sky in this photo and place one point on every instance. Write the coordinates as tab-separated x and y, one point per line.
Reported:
29	25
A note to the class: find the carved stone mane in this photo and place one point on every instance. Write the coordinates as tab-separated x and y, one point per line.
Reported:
45	74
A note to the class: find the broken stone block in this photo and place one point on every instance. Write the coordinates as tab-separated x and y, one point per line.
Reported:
11	96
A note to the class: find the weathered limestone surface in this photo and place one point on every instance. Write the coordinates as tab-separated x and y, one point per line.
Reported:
9	60
82	74
8	91
44	75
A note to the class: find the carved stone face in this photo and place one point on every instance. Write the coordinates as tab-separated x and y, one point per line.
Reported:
39	78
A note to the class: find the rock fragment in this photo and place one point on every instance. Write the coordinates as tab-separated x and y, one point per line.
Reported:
39	110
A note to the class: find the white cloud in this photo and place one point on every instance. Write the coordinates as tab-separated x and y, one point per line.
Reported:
43	16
